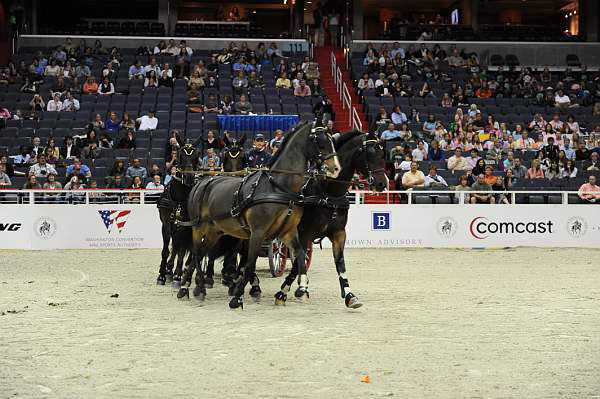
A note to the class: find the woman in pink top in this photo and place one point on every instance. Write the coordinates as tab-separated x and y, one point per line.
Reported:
535	172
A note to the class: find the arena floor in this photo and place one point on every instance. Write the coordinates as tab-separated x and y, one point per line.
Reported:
519	323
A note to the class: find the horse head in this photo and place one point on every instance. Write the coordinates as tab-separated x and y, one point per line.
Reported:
188	157
371	162
321	150
233	155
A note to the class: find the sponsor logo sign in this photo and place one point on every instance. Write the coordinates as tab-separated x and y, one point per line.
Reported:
481	227
114	221
381	221
447	227
10	226
577	227
44	227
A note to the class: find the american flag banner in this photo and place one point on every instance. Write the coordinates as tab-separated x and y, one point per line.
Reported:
114	219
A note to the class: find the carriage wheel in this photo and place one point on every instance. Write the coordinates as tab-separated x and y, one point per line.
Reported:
278	254
309	252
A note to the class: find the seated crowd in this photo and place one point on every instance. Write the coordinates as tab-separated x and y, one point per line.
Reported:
421	107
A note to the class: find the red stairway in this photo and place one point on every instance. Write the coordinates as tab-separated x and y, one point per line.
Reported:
342	116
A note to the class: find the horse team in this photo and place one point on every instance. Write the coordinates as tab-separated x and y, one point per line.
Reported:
299	198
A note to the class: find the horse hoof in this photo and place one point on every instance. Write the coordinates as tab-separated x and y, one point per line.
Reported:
280	298
161	280
183	293
176	284
199	292
236	302
352	301
255	292
305	298
300	291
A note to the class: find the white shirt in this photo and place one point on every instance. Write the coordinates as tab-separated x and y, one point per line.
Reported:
439	179
71	105
564	99
153	186
37	170
154	68
54	105
147	123
418	155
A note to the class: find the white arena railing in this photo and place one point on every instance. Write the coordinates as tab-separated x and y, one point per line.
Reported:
150	197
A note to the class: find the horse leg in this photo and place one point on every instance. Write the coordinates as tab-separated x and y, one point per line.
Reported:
200	289
281	295
338	240
247	270
162	272
194	260
293	242
210	271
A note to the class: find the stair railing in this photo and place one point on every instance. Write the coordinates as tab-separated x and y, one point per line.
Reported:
342	89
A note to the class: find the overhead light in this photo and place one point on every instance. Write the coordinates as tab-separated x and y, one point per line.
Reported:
575	12
254	12
566	16
284	2
309	2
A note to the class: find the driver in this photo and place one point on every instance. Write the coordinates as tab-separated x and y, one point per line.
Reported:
258	156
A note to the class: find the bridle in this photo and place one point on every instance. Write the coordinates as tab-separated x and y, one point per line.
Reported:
181	174
364	149
320	158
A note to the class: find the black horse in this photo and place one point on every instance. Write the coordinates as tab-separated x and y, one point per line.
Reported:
326	205
232	156
171	205
262	206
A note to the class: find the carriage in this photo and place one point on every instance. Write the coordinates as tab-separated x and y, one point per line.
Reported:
278	254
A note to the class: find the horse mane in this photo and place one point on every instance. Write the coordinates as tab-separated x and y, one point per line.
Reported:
286	140
346	137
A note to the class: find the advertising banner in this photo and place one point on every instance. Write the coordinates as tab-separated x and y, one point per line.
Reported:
369	226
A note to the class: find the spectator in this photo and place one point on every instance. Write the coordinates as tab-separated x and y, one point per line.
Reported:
74	183
165	80
509	162
480	186
37	103
113	123
399	117
243	106
463	185
211	104
128	141
277	138
536	171
562	100
136	169
593	163
136	71
302	90
116	182
568	170
106	87
155	171
97	123
194	95
405	133
32	183
69	150
323	109
569	152
51	183
4	178
91	151
118	168
258	156
78	169
155	184
429	126
148	122
489	175
283	82
126	122
36	147
420	153
211	155
582	153
589	191
71	104
414	177
457	161
240	82
435	153
55	105
519	171
435	181
390	133
41	168
90	86
473	158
